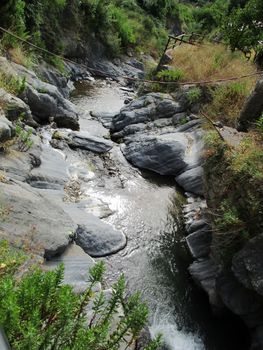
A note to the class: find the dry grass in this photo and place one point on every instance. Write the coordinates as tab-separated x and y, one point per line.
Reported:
210	62
20	56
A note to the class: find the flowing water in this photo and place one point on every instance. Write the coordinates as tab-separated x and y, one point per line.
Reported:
145	207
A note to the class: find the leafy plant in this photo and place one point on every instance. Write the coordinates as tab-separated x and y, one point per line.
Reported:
24	137
170	75
39	312
194	95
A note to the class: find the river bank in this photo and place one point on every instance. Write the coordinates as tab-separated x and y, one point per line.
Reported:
72	180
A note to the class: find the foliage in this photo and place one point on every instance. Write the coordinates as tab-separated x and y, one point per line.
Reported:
170	75
259	125
235	196
227	102
23	136
243	27
39	312
10	258
12	84
194	95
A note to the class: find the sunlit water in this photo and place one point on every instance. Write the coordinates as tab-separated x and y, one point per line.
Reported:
155	260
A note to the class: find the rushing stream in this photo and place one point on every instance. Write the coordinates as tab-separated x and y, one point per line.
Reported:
155	261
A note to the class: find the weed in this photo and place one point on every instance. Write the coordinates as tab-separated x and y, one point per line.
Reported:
13	85
194	95
170	75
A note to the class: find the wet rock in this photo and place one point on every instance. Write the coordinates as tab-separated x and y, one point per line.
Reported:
192	180
247	265
88	142
98	238
197	225
76	267
190	126
199	242
6	129
164	154
29	213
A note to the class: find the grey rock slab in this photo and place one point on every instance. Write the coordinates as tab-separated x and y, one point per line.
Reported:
76	267
236	297
167	108
199	243
192	180
6	129
104	117
247	265
93	235
52	172
88	142
164	154
31	213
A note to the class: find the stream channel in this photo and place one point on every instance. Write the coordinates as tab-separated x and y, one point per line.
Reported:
145	207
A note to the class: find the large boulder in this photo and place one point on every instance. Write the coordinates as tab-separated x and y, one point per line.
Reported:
15	108
93	235
86	141
6	129
29	214
247	265
163	154
44	99
192	180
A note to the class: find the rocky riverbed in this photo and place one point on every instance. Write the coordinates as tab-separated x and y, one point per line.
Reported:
88	194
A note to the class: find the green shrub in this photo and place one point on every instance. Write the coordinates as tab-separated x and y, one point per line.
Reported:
170	75
39	312
13	85
194	95
23	136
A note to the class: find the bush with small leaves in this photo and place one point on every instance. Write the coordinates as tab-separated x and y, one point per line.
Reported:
40	312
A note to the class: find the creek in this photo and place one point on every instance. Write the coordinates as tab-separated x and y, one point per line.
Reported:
146	207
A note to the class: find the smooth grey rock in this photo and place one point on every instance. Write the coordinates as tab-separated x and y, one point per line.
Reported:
52	172
93	235
252	109
199	243
168	108
104	117
197	225
99	239
15	108
247	265
33	214
44	99
163	154
6	129
190	126
192	180
89	142
76	267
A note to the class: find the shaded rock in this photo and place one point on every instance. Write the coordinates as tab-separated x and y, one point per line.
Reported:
99	239
14	108
190	126
204	273
34	215
6	129
136	64
237	298
76	267
199	243
192	180
252	109
44	99
167	108
197	225
247	265
164	154
89	142
257	338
